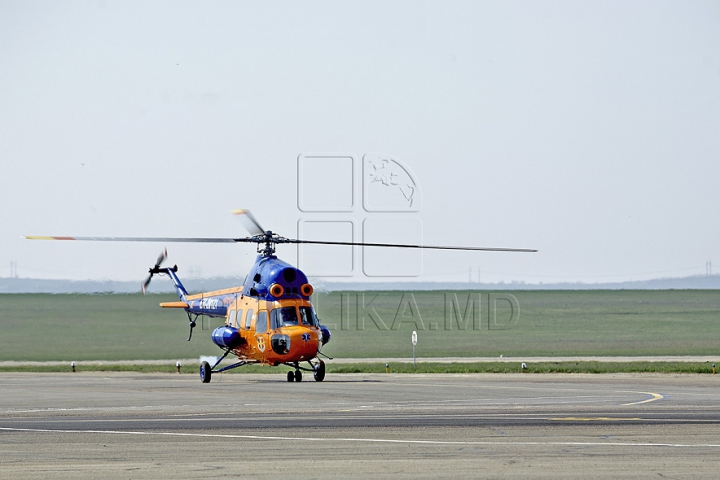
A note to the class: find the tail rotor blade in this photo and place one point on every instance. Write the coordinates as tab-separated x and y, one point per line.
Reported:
145	284
154	270
161	258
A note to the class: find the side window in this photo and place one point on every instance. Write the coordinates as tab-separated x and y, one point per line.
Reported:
248	318
238	319
231	319
261	323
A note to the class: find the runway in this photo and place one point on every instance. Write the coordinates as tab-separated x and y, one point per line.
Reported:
129	425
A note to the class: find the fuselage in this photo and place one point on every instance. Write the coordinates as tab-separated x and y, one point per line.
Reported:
269	319
275	332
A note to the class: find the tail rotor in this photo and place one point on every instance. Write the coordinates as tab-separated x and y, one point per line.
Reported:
154	270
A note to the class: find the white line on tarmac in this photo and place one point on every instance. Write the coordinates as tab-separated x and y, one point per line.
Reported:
372	440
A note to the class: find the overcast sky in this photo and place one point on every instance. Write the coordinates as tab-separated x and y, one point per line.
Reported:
587	130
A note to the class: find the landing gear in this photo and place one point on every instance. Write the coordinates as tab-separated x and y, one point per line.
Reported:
319	371
205	372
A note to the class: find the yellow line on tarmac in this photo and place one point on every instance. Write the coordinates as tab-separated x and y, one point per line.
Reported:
655	396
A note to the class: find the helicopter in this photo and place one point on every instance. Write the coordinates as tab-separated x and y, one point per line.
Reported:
269	319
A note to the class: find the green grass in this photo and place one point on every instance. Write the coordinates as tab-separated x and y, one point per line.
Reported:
44	327
425	367
550	323
540	367
96	368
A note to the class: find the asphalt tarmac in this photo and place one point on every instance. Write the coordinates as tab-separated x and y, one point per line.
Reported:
133	426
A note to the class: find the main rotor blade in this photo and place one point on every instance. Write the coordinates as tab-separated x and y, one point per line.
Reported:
143	239
276	240
400	245
249	222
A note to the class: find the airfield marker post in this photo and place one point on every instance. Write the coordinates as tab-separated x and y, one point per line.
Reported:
414	342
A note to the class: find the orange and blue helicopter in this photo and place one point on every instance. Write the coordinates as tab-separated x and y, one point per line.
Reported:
269	319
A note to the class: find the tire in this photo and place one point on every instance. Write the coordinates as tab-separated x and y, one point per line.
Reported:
205	372
319	372
290	376
298	376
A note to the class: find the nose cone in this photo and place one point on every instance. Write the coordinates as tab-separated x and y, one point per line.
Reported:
304	342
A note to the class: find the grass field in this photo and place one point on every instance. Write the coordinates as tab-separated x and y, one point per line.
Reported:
404	367
549	323
378	324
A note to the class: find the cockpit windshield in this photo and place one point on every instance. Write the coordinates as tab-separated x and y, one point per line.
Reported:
283	316
308	316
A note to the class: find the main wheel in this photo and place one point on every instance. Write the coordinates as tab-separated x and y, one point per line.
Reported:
205	372
319	372
298	376
291	376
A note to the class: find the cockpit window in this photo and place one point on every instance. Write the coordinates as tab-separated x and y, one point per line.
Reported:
308	316
283	316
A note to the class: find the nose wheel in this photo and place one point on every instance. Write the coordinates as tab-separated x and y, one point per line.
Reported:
295	376
319	371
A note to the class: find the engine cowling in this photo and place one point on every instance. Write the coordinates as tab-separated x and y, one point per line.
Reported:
227	337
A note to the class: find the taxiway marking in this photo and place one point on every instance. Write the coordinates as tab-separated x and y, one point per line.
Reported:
368	440
655	396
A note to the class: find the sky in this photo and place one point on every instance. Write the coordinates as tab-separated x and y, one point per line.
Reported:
589	131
